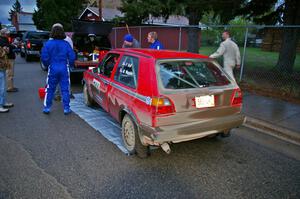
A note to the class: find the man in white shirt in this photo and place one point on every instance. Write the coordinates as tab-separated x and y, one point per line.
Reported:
230	52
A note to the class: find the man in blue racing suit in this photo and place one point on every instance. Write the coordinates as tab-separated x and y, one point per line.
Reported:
57	54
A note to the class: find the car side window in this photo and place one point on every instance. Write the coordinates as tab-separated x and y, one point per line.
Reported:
127	71
107	65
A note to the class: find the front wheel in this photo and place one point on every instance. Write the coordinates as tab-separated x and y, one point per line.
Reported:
88	100
131	138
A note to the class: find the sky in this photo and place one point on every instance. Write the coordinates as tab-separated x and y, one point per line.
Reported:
6	5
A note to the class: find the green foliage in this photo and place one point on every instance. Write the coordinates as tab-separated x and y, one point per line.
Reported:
238	33
16	7
56	11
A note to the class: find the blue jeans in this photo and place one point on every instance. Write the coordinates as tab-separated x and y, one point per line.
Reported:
2	87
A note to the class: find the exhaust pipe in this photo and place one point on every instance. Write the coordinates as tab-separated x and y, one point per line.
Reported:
166	147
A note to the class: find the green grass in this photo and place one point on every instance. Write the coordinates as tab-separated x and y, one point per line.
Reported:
255	58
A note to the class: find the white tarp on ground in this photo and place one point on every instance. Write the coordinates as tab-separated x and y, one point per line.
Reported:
100	120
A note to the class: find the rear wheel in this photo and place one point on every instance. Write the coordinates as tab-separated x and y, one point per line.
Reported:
27	57
131	138
88	100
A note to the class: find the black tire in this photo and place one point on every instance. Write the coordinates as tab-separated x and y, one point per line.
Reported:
131	138
27	57
88	100
43	67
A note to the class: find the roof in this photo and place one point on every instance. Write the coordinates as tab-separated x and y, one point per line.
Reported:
163	54
173	20
107	13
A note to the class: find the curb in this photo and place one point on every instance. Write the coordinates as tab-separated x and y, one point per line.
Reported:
273	130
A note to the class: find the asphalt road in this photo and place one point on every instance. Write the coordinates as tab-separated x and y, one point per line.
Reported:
58	156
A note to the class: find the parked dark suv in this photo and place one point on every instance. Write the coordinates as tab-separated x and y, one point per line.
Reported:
33	43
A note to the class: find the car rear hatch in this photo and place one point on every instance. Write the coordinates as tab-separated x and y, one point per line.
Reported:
194	90
36	40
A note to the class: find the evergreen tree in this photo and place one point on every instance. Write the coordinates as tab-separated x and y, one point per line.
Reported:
57	11
16	7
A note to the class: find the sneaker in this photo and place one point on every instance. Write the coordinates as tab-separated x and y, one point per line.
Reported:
72	96
46	110
3	110
12	90
67	111
8	105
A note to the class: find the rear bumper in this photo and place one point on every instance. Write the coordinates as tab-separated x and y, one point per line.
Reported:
33	52
189	131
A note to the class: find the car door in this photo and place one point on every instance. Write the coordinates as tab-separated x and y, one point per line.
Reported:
124	85
100	84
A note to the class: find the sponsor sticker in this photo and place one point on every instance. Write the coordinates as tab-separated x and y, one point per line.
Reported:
96	83
148	100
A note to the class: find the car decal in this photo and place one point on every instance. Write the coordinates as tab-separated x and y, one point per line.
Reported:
131	93
96	84
142	98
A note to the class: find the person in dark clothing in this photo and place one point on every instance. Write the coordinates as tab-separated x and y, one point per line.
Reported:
56	55
11	57
154	42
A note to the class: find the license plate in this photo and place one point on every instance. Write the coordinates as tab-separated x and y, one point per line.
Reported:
205	101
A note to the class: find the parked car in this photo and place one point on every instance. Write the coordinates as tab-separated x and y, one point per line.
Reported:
33	43
162	97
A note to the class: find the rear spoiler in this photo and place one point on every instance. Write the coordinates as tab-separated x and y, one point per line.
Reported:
92	27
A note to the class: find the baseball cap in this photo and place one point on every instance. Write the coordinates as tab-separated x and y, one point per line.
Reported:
128	38
57	24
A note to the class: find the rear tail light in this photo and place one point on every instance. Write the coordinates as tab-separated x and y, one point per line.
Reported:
9	39
162	105
28	45
237	97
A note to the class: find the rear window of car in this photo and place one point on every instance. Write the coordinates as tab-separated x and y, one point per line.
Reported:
37	35
185	74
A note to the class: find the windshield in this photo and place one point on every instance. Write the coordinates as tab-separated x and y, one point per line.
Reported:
185	74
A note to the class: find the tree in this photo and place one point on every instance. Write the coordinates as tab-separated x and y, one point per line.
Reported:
16	7
56	11
137	11
288	13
